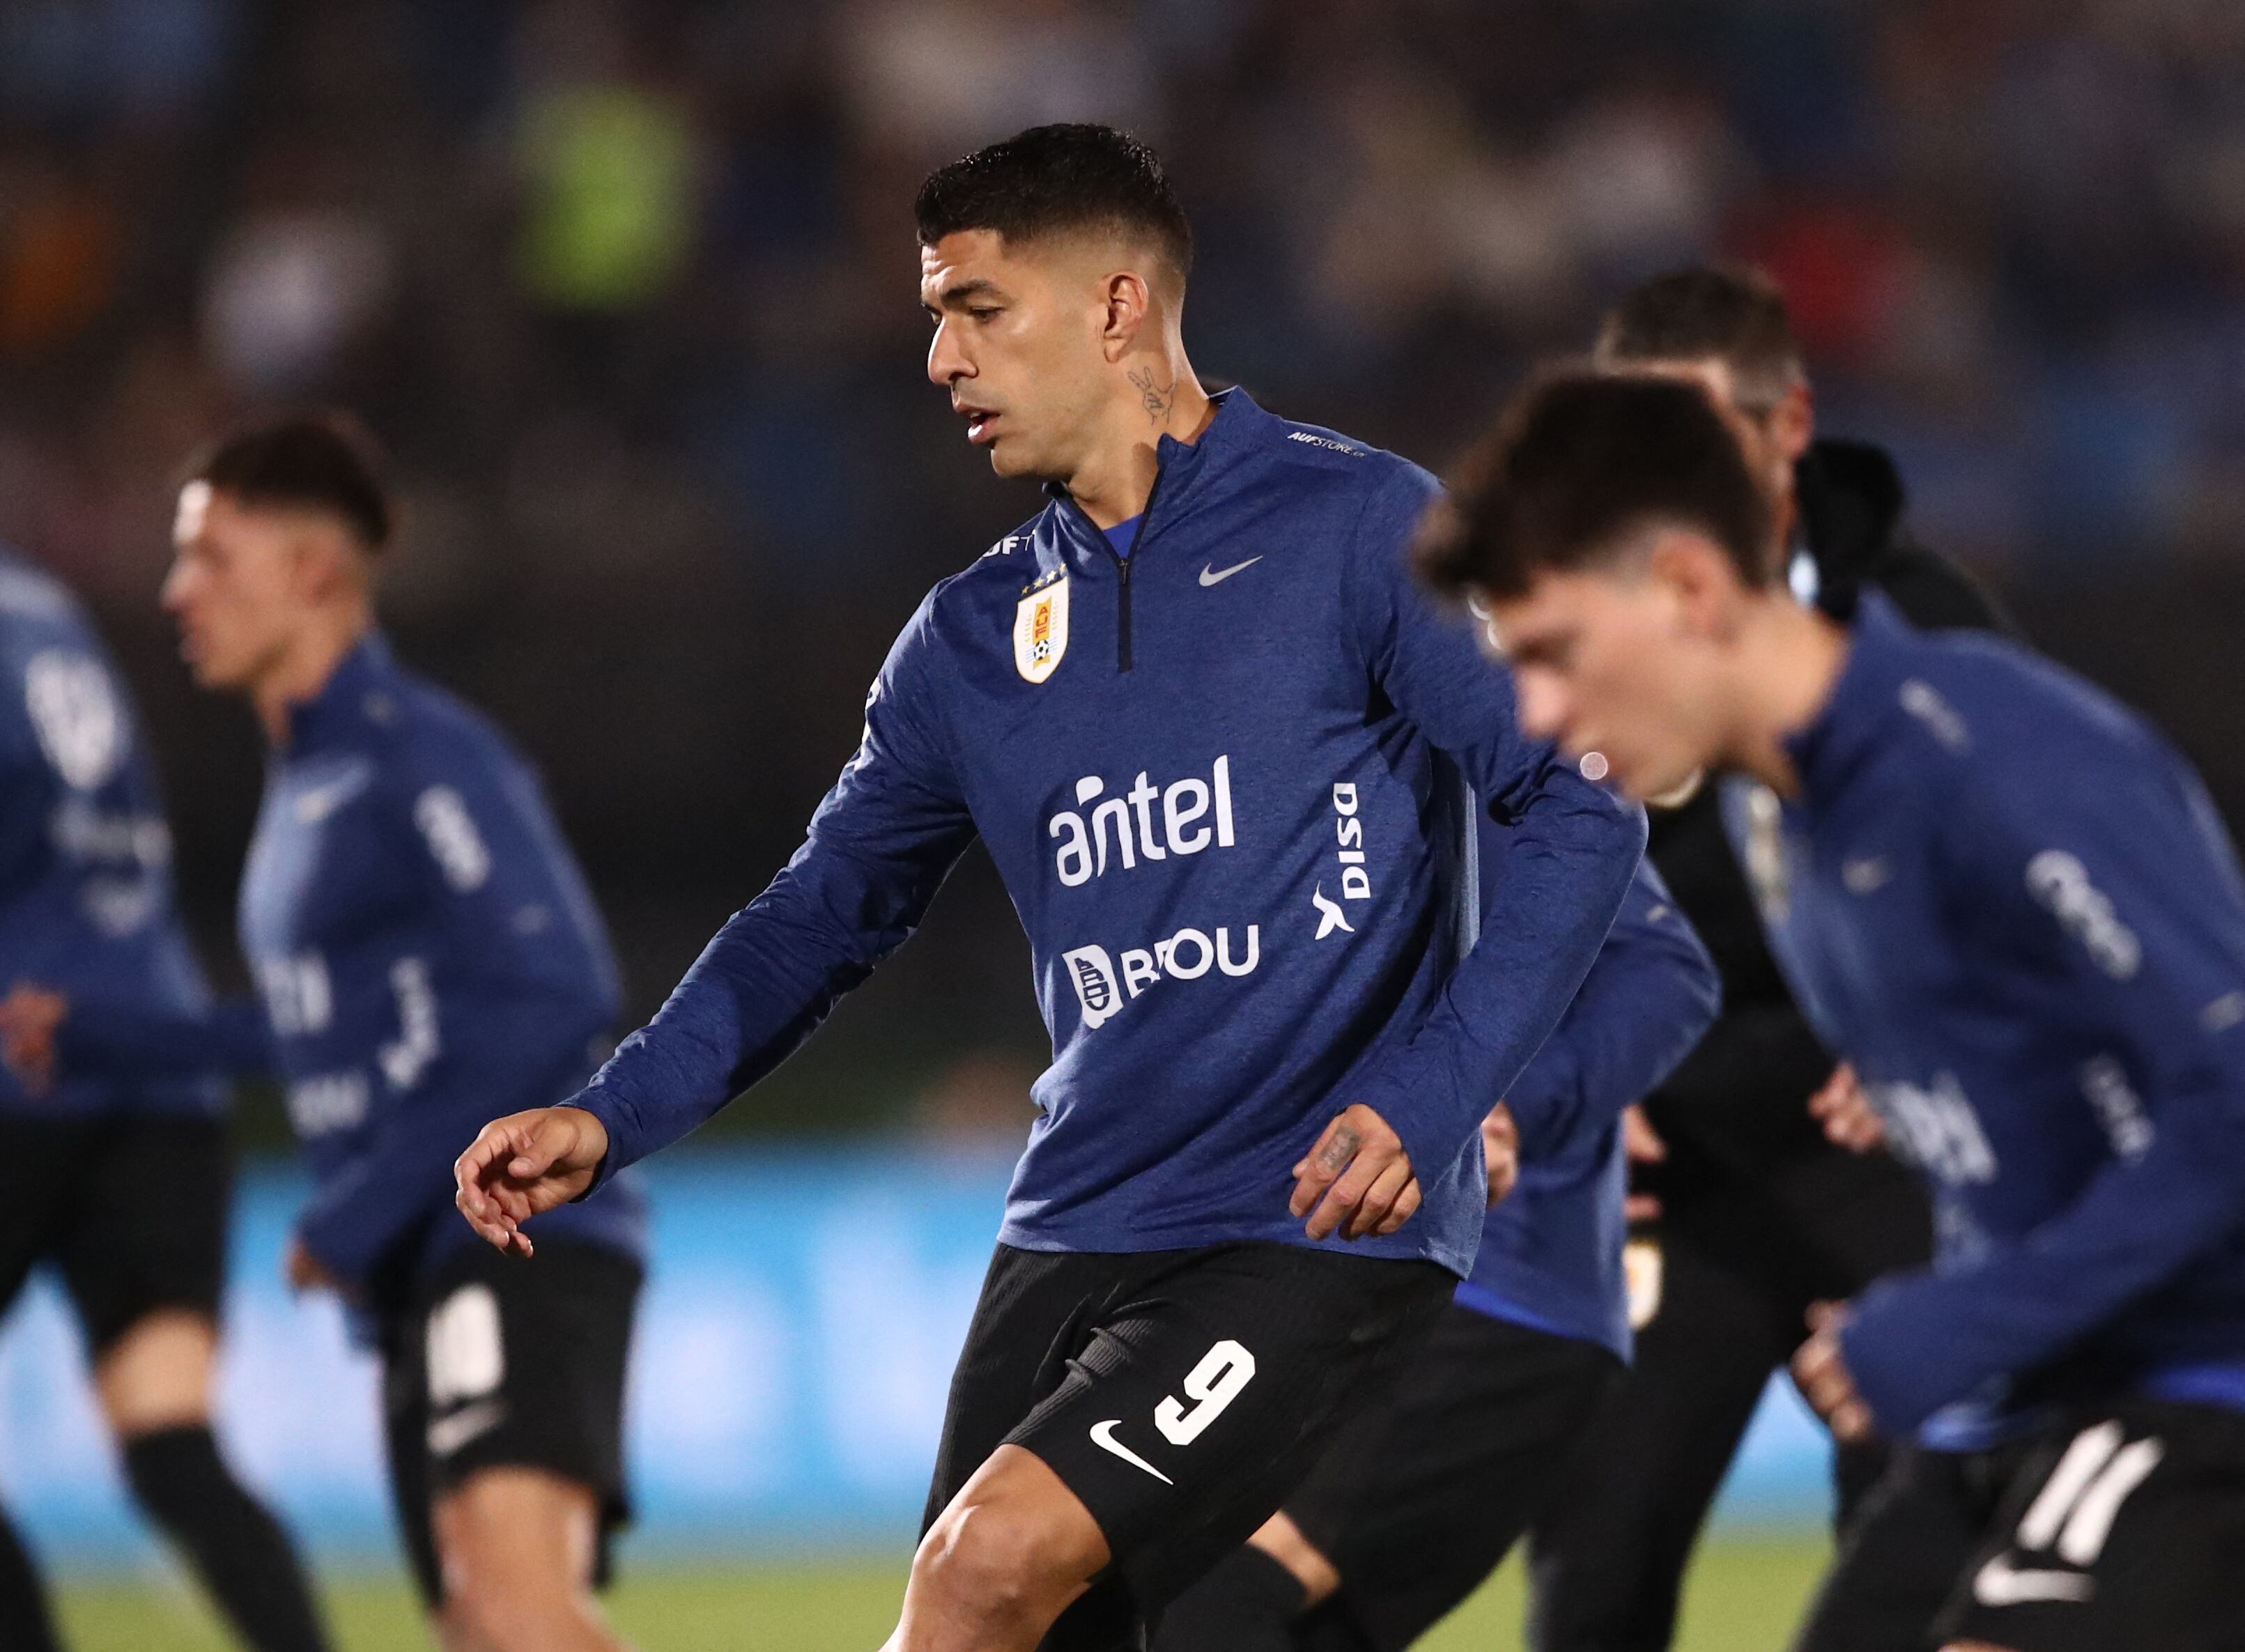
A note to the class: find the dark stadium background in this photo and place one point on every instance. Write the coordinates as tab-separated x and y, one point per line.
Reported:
628	291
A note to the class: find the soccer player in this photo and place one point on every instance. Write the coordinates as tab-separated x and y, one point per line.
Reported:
424	948
1224	757
1419	1498
1758	1215
2007	902
122	1187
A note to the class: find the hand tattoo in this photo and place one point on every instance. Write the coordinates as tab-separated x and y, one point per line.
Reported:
1340	1150
1158	398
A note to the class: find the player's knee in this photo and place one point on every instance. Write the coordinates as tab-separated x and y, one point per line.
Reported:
157	1375
516	1548
517	1614
1000	1556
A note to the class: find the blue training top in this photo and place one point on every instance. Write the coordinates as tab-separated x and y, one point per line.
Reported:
1222	780
1551	1253
427	957
2008	901
85	856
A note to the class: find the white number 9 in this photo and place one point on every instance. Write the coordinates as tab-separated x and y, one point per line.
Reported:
1215	1382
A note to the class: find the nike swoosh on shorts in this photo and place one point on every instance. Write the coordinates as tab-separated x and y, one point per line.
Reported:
1103	1436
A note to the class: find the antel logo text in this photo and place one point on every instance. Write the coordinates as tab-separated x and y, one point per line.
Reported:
1147	823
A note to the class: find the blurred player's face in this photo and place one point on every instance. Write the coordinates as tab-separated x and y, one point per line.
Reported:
1627	661
241	583
1019	344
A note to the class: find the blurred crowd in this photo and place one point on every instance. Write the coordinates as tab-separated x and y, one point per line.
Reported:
627	286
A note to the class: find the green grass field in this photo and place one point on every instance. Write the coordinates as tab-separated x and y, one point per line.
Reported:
1744	1596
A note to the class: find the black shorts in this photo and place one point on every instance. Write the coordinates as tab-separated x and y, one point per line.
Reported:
131	1209
508	1362
1179	1394
2119	1531
1423	1493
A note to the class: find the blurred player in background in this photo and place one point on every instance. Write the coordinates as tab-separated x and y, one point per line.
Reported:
1223	752
1419	1498
1759	1215
2011	906
122	1185
426	950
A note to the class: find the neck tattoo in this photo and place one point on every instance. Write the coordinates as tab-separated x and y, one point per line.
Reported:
1158	398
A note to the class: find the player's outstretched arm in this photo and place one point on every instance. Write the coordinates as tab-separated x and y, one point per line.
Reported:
524	1164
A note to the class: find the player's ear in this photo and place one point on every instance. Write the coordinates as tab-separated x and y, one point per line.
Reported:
328	564
1793	422
1696	576
1129	303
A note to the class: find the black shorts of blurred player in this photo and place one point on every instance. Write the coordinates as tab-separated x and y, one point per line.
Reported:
1179	1395
508	1363
2117	1530
130	1209
1414	1504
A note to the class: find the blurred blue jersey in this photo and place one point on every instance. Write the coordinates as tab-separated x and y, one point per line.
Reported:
428	956
85	856
2009	903
1551	1254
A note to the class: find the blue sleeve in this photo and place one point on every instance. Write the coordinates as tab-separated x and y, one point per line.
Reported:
2114	885
879	848
1651	995
1572	850
131	1040
503	1010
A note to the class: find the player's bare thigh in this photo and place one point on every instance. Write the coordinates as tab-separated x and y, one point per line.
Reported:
158	1374
1012	1551
518	1548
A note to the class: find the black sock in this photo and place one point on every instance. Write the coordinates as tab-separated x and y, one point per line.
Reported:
23	1619
1248	1602
236	1548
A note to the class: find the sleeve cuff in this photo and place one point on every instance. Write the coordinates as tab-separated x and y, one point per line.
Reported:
602	1107
1899	1377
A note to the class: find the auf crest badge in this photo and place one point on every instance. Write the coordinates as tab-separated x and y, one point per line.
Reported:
1041	628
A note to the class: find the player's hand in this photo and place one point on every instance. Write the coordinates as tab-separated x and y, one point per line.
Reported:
1819	1371
1358	1179
305	1271
30	1016
1500	1146
525	1163
1640	1144
1844	1109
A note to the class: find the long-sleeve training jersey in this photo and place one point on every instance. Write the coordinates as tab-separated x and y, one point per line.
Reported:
85	856
2010	903
427	957
1551	1253
1223	780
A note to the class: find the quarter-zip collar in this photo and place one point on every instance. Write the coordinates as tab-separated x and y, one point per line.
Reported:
1182	470
360	687
1828	750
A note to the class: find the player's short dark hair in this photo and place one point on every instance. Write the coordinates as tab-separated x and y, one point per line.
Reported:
319	460
1729	313
1580	461
1055	179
